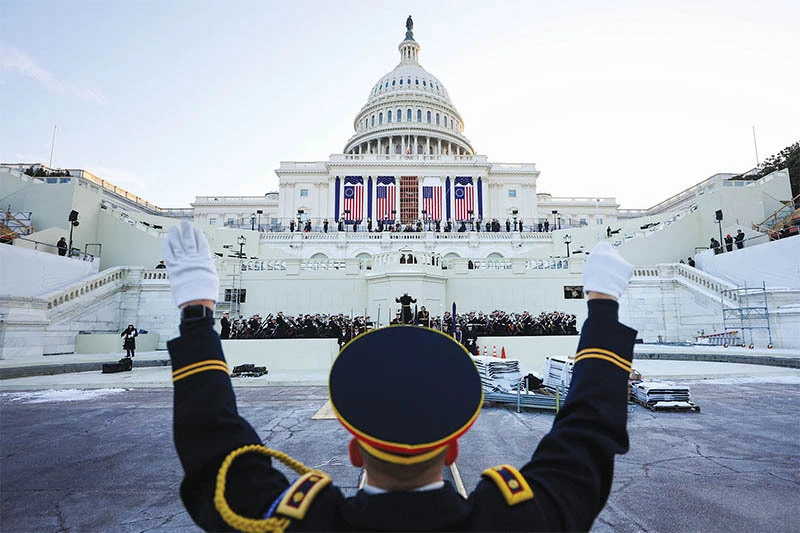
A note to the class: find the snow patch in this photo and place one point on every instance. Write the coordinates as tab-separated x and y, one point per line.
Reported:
59	396
790	380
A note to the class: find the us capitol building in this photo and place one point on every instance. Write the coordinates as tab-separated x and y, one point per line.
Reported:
338	235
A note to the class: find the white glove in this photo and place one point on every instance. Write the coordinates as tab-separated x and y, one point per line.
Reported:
192	274
606	271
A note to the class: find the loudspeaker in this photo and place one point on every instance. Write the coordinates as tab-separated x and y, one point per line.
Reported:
718	214
73	216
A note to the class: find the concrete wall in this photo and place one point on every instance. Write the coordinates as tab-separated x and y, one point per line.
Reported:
110	343
775	263
27	272
126	244
319	354
282	354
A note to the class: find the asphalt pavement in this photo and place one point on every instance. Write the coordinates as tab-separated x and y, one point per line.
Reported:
102	458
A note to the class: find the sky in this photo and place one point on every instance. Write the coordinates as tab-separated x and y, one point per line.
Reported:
175	99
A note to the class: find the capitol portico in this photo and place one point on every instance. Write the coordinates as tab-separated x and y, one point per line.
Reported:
408	182
407	162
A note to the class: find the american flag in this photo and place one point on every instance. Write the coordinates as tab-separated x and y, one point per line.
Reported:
385	195
465	201
353	202
432	202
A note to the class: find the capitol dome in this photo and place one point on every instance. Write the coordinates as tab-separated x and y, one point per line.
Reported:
409	112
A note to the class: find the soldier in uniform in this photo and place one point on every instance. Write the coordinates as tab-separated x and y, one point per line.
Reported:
225	324
424	317
405	300
230	481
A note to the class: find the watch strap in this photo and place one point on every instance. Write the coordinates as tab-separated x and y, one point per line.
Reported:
195	313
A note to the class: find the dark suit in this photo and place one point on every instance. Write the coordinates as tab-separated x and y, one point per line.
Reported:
225	325
570	472
406	301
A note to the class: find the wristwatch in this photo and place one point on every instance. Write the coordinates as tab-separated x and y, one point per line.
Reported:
195	313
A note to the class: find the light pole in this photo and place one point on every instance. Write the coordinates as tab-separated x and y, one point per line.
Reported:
514	216
259	213
346	218
252	222
567	240
425	218
471	220
555	212
717	215
241	240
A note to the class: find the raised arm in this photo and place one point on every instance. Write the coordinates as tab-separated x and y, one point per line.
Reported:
571	471
207	425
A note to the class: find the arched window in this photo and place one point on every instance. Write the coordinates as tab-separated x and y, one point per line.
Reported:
419	115
393	83
380	118
429	117
408	115
424	83
389	117
437	119
409	81
416	81
401	81
399	115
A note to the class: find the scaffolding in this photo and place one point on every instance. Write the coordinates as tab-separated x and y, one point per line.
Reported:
751	312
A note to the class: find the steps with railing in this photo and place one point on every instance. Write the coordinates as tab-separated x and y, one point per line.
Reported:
780	219
13	225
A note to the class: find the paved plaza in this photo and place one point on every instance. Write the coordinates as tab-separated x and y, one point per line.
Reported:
102	459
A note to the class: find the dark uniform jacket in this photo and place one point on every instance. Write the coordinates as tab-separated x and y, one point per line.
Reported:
562	488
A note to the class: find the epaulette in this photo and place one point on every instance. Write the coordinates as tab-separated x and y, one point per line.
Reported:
299	496
605	355
200	366
512	485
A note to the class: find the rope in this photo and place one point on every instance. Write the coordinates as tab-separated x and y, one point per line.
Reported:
241	523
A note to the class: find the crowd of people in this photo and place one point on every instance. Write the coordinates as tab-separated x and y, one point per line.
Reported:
738	240
466	328
377	226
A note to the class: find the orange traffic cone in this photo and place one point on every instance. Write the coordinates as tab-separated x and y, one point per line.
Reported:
494	351
503	353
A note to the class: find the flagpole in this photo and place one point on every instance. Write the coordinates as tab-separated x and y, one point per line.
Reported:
53	146
755	145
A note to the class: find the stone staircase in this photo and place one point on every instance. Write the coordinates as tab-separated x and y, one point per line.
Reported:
786	217
49	324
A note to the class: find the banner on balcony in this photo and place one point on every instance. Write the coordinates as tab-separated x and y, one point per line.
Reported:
464	193
386	194
432	202
353	204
